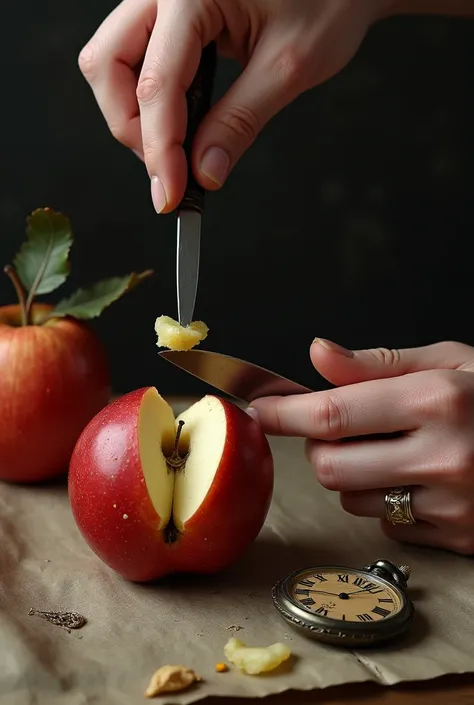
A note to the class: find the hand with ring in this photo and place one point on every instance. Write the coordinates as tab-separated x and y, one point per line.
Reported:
395	437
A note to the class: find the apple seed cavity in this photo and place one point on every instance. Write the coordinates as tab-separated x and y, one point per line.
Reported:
176	461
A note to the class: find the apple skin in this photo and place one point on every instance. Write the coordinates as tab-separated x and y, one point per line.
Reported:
117	519
54	378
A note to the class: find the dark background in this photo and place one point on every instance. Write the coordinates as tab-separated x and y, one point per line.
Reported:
351	217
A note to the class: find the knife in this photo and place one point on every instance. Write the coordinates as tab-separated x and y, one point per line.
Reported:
190	210
237	378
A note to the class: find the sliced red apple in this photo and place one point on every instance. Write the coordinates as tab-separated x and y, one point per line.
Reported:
149	505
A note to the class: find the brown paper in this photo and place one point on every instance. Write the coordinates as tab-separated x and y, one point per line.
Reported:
134	629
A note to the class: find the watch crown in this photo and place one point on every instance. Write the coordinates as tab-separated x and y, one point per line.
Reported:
405	570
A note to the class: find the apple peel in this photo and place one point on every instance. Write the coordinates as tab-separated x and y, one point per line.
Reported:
256	659
171	679
173	336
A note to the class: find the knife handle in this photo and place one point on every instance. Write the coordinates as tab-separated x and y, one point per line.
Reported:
198	98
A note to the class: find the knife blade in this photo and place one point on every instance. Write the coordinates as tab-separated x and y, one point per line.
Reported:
188	250
237	378
191	207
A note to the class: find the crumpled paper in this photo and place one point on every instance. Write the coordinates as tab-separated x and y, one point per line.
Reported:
134	629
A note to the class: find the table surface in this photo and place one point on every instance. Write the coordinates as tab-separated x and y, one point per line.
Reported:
447	690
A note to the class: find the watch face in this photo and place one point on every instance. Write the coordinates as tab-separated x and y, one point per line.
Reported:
345	594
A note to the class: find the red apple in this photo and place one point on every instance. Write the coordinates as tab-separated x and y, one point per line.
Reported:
146	519
53	379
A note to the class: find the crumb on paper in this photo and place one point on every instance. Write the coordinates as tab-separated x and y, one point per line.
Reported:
66	620
234	628
173	336
171	679
221	667
255	659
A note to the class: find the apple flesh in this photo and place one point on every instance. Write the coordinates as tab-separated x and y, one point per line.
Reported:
54	378
149	504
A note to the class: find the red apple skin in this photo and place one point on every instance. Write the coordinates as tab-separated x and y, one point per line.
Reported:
116	517
53	379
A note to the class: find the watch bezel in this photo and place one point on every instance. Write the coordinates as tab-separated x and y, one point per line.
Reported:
338	630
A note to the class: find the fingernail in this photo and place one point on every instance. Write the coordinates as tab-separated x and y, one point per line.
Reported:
158	195
329	345
253	413
215	164
138	154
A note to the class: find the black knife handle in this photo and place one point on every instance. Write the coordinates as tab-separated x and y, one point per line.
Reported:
198	98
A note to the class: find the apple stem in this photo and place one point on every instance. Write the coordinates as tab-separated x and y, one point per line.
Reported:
176	461
15	280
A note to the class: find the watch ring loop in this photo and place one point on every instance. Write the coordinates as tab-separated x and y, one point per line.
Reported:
398	506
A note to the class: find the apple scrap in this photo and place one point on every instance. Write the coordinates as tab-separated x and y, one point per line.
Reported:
171	679
173	336
256	659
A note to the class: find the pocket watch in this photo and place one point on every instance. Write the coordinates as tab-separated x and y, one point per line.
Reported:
347	606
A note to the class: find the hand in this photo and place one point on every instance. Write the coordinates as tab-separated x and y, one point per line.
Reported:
286	47
424	397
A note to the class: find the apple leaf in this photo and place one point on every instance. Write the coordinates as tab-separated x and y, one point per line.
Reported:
42	261
89	303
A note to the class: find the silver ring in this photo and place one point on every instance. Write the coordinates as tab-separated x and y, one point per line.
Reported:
398	506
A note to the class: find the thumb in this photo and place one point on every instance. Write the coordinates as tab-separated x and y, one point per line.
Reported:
231	126
340	366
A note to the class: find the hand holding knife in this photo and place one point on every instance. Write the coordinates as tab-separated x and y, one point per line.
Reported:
238	378
190	210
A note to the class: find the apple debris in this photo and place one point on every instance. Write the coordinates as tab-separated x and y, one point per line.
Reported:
173	336
221	668
171	679
42	266
255	659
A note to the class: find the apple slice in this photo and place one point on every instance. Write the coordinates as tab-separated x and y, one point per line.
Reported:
173	336
153	495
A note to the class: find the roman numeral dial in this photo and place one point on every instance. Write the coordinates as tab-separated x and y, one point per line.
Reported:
345	594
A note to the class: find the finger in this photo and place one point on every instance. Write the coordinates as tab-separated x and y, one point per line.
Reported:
108	63
261	91
450	511
182	29
428	535
341	366
362	466
381	406
371	503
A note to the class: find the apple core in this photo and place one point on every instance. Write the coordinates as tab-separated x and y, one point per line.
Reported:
179	457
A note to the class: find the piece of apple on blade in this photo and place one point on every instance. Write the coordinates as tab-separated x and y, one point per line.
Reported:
153	495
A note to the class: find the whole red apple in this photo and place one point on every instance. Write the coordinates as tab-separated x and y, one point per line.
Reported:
54	378
153	495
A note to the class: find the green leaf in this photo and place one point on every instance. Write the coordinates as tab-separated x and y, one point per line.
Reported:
89	303
42	262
